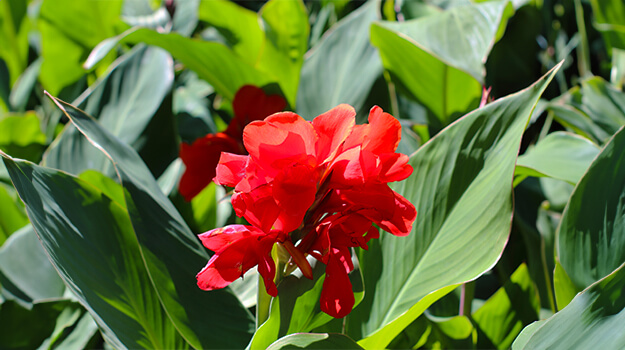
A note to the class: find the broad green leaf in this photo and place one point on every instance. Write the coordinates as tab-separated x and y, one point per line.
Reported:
24	86
563	287
526	334
508	311
610	21
617	73
25	270
314	341
296	308
442	69
559	155
342	67
172	254
73	330
590	241
578	122
286	32
431	332
211	208
14	26
461	188
21	136
68	31
593	320
185	16
90	241
239	26
23	328
602	103
124	101
12	216
212	61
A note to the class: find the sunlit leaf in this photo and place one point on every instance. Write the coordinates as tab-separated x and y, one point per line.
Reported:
461	188
342	67
593	319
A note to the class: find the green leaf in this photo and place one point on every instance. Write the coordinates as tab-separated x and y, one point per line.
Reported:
296	308
564	288
21	136
68	31
559	155
286	31
73	330
172	254
23	328
90	242
212	61
461	188
239	27
124	101
609	18
593	320
442	69
578	122
342	67
602	103
12	216
508	311
590	241
314	341
25	270
14	27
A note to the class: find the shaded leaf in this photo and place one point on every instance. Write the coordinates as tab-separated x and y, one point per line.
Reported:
559	155
172	254
105	269
593	319
590	241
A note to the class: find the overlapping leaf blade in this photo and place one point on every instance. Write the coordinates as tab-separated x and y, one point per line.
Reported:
124	101
89	240
590	241
438	60
594	319
342	67
461	188
172	255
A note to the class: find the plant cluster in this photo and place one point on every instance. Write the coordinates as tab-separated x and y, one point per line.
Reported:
315	174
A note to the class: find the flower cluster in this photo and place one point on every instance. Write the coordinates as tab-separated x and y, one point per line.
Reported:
201	157
315	187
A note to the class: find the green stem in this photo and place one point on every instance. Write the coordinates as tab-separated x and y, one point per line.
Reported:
583	53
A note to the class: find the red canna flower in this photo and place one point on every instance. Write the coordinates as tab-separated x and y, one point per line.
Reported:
201	157
323	183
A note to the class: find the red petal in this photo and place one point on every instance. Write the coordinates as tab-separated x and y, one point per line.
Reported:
239	249
333	127
249	104
200	159
257	207
294	190
280	140
337	297
394	167
384	132
231	169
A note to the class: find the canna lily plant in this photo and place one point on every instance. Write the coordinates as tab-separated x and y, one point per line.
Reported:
315	188
283	230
